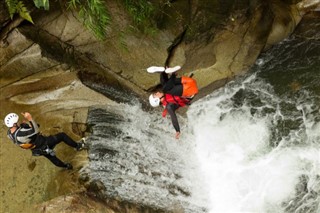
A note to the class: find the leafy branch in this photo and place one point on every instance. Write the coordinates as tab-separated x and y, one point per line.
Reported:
93	14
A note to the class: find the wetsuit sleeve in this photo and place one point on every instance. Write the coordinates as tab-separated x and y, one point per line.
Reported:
171	108
34	126
25	134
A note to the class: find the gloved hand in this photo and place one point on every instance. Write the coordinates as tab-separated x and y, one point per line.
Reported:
27	116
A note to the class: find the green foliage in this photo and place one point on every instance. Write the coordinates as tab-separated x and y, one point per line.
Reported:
92	12
141	12
94	15
42	3
16	6
12	7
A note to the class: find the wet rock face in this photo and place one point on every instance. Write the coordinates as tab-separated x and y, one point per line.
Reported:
308	5
4	15
214	40
86	202
21	58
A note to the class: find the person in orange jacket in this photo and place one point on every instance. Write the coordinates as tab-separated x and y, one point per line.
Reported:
176	93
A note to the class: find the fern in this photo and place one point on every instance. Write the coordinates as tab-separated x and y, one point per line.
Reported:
15	6
23	12
12	7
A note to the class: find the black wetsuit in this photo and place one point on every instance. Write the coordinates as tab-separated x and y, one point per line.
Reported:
171	108
172	86
30	134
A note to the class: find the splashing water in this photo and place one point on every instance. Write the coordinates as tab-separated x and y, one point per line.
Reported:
135	156
244	170
258	138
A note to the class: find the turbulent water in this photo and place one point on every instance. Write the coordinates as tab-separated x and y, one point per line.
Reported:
258	138
251	146
135	156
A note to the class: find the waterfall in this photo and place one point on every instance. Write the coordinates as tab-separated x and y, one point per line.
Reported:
136	157
258	138
251	146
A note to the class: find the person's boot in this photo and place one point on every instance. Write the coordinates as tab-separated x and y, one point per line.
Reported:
154	69
172	69
82	144
68	166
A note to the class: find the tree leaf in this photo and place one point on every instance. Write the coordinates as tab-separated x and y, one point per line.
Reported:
42	3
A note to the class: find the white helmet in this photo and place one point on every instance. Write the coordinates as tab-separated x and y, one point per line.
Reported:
154	101
11	119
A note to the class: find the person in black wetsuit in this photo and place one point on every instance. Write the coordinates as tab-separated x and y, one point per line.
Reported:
176	93
27	136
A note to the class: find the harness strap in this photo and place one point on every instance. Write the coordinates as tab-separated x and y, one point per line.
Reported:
13	137
185	100
177	102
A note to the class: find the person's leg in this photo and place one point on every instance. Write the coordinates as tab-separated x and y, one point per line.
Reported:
173	80
56	161
58	138
164	78
171	85
177	90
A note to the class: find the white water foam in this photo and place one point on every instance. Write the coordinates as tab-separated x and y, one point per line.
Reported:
243	173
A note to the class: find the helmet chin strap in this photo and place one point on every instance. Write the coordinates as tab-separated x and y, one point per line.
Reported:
14	127
161	98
